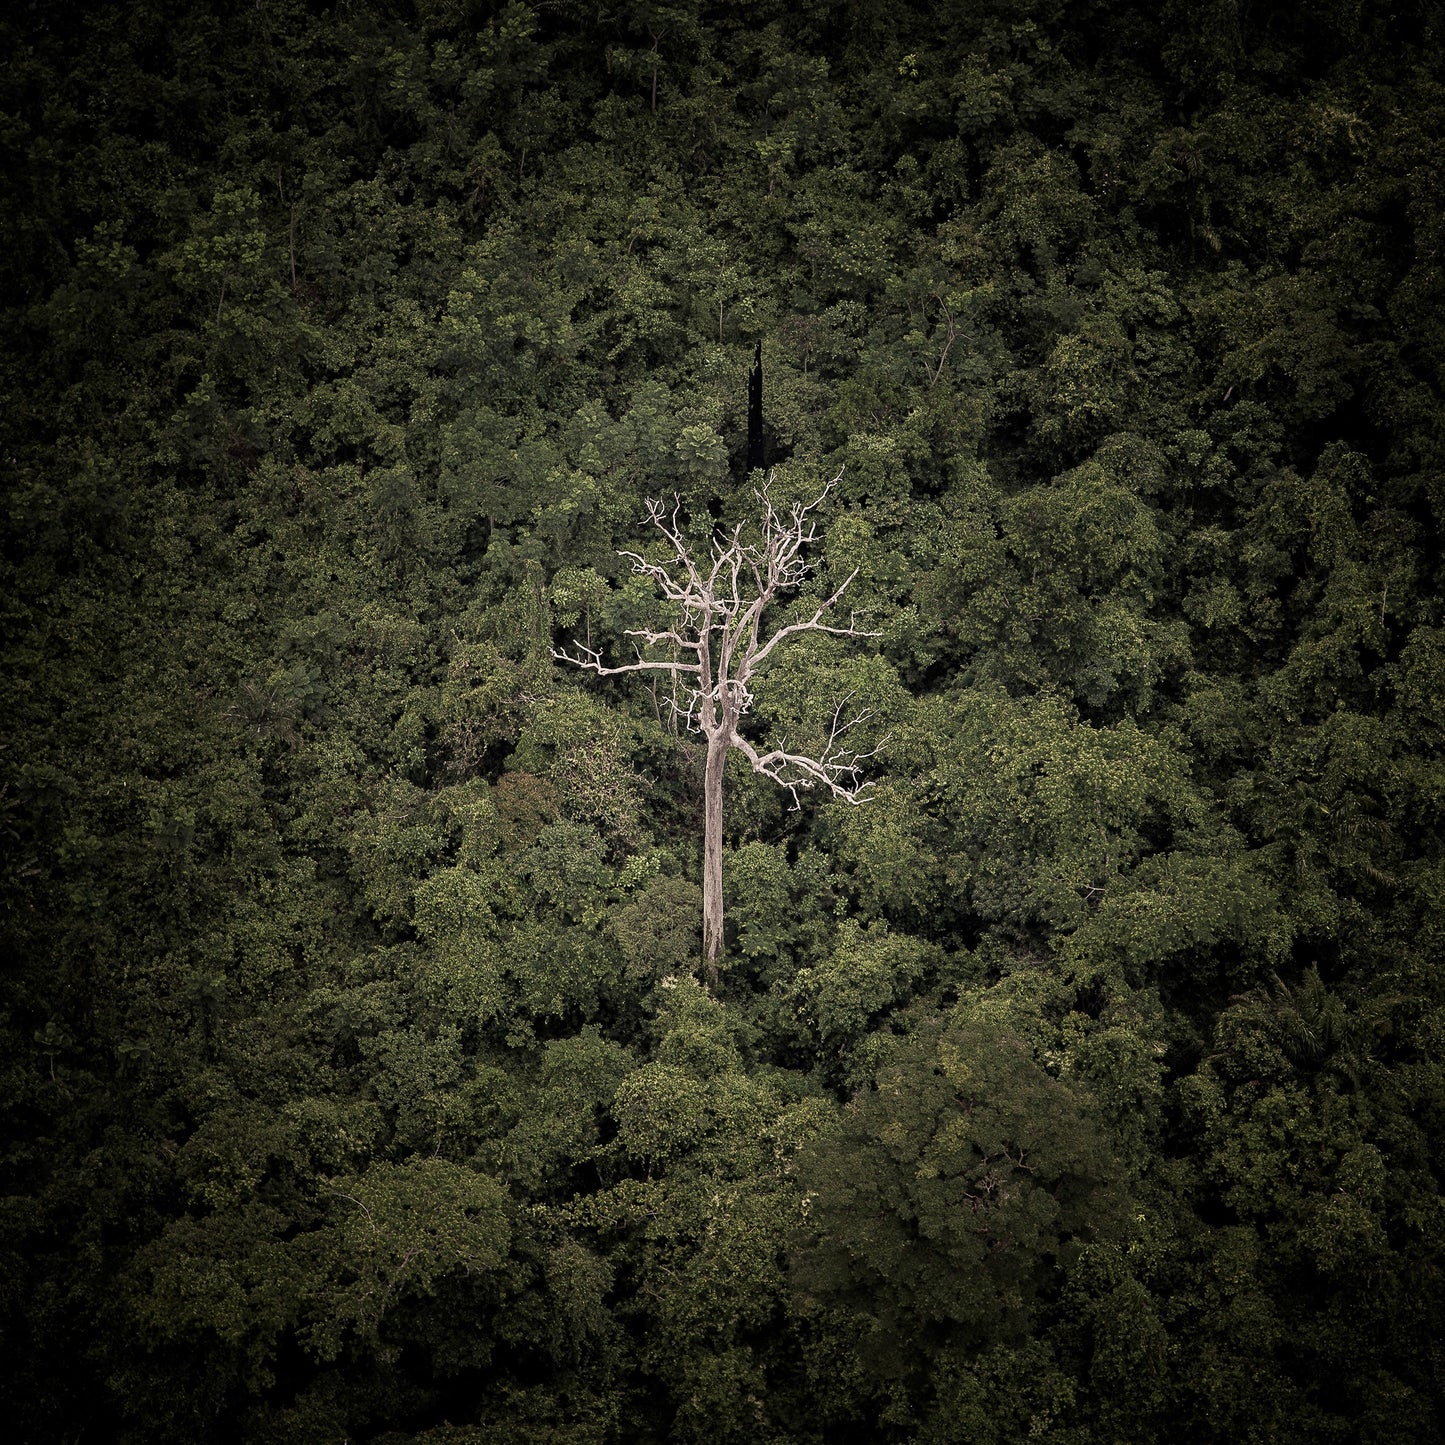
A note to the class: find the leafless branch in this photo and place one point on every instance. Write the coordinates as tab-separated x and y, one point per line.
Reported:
934	372
836	767
591	660
719	597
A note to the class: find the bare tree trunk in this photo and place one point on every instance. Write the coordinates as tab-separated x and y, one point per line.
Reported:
720	597
712	894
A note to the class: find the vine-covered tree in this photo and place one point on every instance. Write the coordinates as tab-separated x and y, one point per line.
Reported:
717	638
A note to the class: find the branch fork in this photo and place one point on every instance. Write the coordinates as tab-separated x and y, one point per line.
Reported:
717	642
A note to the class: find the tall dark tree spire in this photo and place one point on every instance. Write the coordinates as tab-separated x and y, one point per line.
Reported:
755	412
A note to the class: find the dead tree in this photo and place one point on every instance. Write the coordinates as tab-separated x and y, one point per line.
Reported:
718	639
756	459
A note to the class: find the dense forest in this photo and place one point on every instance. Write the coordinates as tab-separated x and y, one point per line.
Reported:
364	1075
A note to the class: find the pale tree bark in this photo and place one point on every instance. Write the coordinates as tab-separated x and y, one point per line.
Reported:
718	639
712	848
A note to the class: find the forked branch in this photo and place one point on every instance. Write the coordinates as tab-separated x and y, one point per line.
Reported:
717	639
837	767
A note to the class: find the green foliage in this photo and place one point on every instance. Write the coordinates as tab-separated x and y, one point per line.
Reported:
938	1206
356	1081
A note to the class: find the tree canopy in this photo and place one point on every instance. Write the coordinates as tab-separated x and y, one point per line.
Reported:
360	1077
